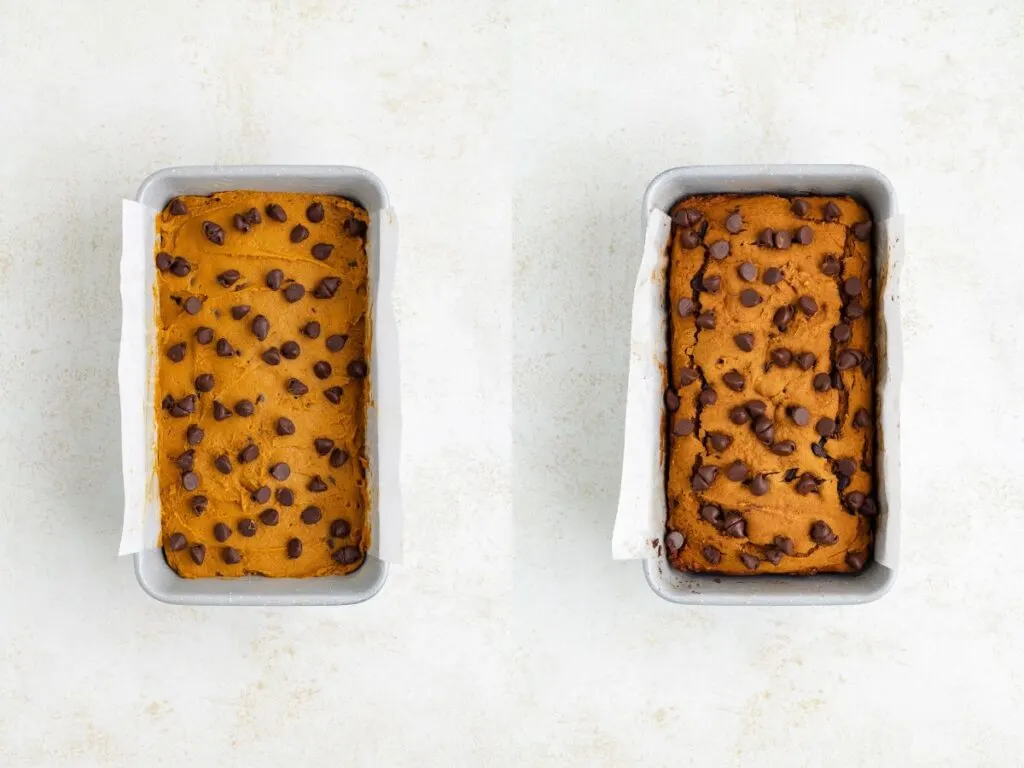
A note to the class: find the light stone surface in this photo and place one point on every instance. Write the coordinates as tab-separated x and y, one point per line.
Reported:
516	140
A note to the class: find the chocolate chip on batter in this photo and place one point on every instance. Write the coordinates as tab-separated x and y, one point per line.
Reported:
250	453
276	212
183	407
747	271
807	483
817	450
734	223
764	428
198	553
285	497
177	208
772	276
280	471
807	305
687	217
759	485
800	207
822	382
847	359
291	349
357	369
274	279
261	495
245	408
852	286
862	230
706	321
299	233
707	396
228	277
689	239
239	311
321	251
718	250
224	348
806	360
323	445
739	415
830	267
853	310
311	515
821	533
854	500
790	473
825	427
231	556
755	408
749	561
327	287
294	292
703	477
180	267
219	411
315	212
334	394
285	427
223	464
260	327
800	416
766	237
687	376
204	335
317	484
711	283
783	448
246	527
272	356
347	555
198	505
861	418
712	554
737	471
213	233
245	221
336	342
783	317
782	239
269	516
749	297
163	261
177	542
831	211
719	441
785	545
842	482
868	508
734	380
782	357
194	434
338	458
294	549
221	532
734	525
804	235
193	304
842	333
846	467
744	341
186	461
176	352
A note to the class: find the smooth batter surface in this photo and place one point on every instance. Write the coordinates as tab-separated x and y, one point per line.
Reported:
246	376
781	511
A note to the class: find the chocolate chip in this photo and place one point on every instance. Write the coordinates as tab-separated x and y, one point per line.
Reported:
260	327
830	267
221	532
223	464
712	554
294	292
338	458
772	276
842	333
321	251
186	461
703	477
357	369
291	349
755	408
807	483
817	450
689	239
176	352
184	407
862	230
807	305
739	415
280	471
243	222
861	418
213	233
785	545
766	237
764	428
782	357
198	504
832	211
749	561
744	341
674	541
711	514
784	316
315	213
706	321
790	473
231	556
868	508
747	271
163	261
198	553
782	239
239	311
734	223
228	277
734	380
323	445
261	495
852	286
177	208
806	360
847	359
856	560
719	441
276	212
246	527
718	249
759	485
285	427
711	283
299	233
250	453
783	448
803	235
311	329
317	484
842	482
180	267
671	400
800	416
194	434
822	382
294	549
825	427
224	348
773	555
749	297
193	304
272	356
821	533
734	525
327	287
682	427
846	467
347	555
177	542
707	396
800	207
311	515
219	411
737	471
336	342
245	408
269	517
854	500
853	310
204	335
687	217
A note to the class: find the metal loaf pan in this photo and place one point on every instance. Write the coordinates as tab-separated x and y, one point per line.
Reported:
873	189
152	571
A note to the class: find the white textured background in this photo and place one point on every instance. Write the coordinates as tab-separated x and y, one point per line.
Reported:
516	140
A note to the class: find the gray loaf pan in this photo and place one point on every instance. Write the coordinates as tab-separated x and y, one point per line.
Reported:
151	569
873	189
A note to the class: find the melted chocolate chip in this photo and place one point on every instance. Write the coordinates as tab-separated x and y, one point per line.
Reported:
825	427
198	505
830	267
711	283
822	382
357	369
180	267
842	333
347	555
856	560
800	416
862	418
671	400
719	441
747	271
674	541
821	533
687	376
739	415
193	305
734	380
846	467
862	230
852	286
782	357
734	223
707	396
194	434
261	495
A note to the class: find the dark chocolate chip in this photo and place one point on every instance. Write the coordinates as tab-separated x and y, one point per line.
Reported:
357	369
221	532
213	233
846	467
687	217
311	515
336	342
785	545
285	427
782	239
712	554
311	329
739	415
228	277
830	267
245	408
291	350
749	297
807	483
821	533
294	549
323	445
825	427
706	321
223	464
198	553
773	555
272	356
703	477
711	283
744	341
764	428
784	448
842	482
285	497
847	359
186	461
782	357
806	360
804	235
674	541
220	412
737	471
719	441
246	527
766	237
718	250
734	223
198	504
317	484
338	458
299	233
260	327
868	508
749	561
842	333
671	400
772	276
274	279
269	516
853	310
854	500
327	287
856	560
224	348
747	271
239	311
711	514
689	239
180	267
241	222
861	418
261	495
276	212
707	396
807	305
204	335
347	555
250	453
280	471
194	434
759	485
755	408
321	251
315	213
852	286
184	407
163	261
734	525
177	208
176	352
734	380
231	556
817	450
294	292
800	416
177	542
800	207
822	382
783	317
682	427
193	304
832	211
790	473
862	230
687	376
